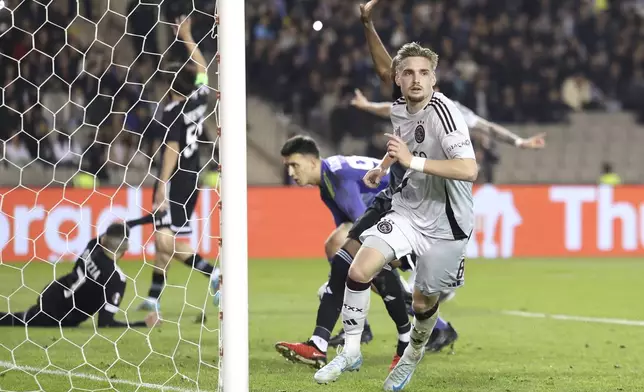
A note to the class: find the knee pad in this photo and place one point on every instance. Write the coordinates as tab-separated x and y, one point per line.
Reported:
381	246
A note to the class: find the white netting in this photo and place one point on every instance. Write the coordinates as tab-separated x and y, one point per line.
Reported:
81	134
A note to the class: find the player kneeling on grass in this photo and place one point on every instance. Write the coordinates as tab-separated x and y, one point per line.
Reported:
95	285
343	191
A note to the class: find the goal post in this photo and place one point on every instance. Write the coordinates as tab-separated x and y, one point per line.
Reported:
84	88
234	223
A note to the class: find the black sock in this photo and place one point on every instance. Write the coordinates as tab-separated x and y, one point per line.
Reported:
6	319
404	333
144	220
331	303
197	262
158	282
400	348
11	319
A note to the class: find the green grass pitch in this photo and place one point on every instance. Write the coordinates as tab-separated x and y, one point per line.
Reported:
496	352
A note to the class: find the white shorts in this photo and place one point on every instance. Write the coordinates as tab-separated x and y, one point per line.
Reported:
440	263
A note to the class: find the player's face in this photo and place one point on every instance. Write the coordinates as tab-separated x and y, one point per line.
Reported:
121	250
301	168
416	78
117	251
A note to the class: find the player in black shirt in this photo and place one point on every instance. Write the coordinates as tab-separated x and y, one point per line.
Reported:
176	189
95	285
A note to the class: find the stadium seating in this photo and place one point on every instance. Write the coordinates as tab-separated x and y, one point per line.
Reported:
576	151
574	155
474	68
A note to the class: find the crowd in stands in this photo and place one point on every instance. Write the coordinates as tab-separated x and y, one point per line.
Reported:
66	102
511	61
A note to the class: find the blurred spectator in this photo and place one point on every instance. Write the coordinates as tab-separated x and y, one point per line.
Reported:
577	92
377	145
16	152
141	25
66	150
513	61
486	156
609	176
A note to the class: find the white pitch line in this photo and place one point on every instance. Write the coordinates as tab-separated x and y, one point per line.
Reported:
636	323
35	371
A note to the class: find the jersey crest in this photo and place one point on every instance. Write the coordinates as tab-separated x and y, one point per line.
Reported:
419	134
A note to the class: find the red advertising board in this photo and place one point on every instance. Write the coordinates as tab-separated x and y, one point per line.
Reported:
53	224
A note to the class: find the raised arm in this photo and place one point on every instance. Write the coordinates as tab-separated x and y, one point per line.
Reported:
184	32
379	55
504	135
382	109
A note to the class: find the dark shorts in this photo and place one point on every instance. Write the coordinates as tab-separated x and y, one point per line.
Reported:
182	195
370	217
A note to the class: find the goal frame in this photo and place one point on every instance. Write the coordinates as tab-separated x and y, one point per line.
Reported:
231	31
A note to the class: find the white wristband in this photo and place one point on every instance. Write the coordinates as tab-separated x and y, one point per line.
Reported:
518	142
417	164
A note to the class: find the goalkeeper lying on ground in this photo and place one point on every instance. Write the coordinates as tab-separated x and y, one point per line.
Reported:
95	285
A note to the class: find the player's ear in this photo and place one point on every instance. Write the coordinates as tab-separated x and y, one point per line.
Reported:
433	79
397	78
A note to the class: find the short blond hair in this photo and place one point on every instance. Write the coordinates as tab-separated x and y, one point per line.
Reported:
413	49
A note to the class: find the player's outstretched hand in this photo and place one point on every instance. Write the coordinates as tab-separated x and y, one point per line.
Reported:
373	177
366	10
397	148
536	142
359	100
160	202
183	28
152	319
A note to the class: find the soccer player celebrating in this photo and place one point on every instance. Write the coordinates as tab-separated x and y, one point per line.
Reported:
431	218
345	194
474	122
176	189
443	335
95	285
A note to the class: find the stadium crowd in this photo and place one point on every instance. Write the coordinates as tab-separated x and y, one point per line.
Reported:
511	61
54	84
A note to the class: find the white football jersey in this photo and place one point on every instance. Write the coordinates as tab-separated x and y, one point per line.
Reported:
438	207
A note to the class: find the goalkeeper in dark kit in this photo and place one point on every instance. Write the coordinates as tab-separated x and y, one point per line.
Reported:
95	285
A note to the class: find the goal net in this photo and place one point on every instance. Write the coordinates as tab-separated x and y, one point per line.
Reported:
85	85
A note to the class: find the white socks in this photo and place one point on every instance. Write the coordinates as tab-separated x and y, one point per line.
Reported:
422	329
354	314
